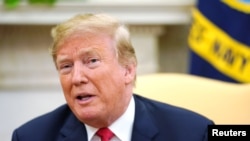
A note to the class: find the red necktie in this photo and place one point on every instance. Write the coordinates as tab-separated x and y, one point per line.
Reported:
105	134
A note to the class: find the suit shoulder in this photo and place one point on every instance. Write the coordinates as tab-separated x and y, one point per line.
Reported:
49	122
169	121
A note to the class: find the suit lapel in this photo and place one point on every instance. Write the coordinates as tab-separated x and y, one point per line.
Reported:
144	129
73	130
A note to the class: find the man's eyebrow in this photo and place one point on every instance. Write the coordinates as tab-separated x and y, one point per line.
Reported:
89	51
61	58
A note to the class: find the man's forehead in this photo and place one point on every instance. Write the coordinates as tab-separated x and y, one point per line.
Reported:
77	51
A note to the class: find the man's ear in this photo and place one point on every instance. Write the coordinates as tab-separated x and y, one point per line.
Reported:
130	73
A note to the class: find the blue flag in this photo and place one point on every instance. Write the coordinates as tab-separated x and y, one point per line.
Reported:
219	40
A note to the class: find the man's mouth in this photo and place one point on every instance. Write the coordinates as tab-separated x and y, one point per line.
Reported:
84	97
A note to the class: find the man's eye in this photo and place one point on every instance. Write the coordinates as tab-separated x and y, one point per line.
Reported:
93	63
93	60
65	68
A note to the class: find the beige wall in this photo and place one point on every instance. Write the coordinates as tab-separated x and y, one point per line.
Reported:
173	49
24	57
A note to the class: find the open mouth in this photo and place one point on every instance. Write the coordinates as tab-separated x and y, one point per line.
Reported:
84	97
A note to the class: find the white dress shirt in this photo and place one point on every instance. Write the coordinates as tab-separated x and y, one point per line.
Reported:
122	127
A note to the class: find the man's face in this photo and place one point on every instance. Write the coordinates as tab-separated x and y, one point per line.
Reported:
96	87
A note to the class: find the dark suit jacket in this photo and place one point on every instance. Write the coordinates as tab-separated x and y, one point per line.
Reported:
154	121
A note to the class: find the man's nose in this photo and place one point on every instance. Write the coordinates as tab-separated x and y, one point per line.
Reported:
79	74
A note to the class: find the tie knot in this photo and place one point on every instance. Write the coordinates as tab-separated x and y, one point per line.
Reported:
105	134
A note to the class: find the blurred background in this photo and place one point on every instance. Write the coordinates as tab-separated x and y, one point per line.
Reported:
29	83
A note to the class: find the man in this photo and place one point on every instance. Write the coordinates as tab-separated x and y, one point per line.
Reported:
97	69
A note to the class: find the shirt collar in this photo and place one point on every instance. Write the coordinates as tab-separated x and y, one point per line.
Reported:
125	121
